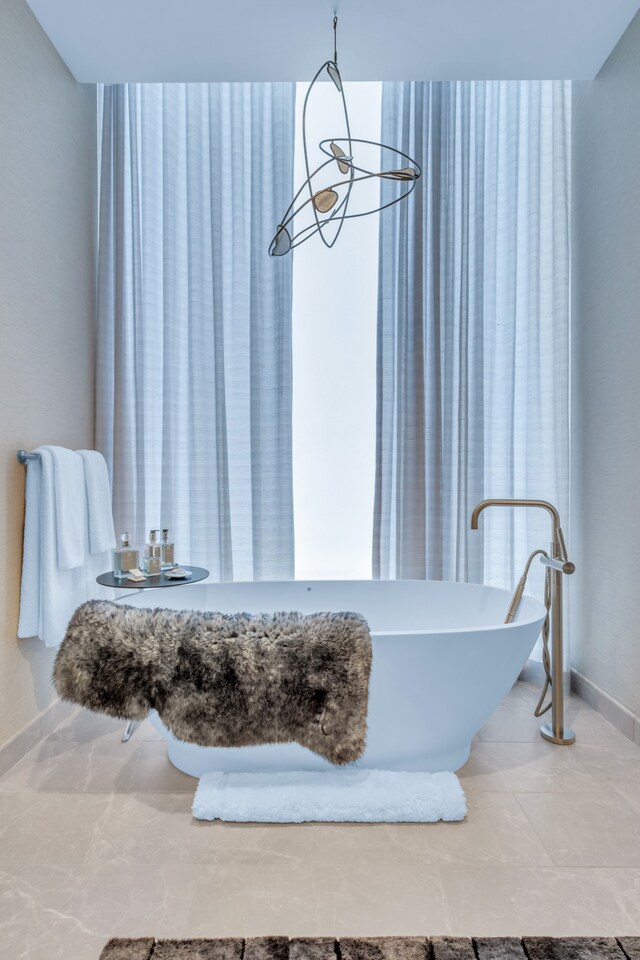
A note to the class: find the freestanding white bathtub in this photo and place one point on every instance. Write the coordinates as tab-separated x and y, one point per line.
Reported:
442	662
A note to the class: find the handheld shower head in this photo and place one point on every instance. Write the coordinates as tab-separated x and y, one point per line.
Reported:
517	596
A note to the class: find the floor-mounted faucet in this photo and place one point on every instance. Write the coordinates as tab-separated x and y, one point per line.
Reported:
559	565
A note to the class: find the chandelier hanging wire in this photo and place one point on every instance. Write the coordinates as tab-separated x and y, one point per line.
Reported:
333	199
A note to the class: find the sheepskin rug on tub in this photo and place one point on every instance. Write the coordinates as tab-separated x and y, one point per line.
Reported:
224	680
340	796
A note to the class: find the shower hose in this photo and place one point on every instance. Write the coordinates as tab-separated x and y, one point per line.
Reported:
540	709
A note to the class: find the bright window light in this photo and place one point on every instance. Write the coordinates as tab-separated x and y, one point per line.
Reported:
334	368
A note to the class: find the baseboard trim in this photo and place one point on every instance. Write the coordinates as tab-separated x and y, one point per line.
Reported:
31	735
621	718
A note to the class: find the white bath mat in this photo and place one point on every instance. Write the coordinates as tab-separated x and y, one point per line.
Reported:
371	796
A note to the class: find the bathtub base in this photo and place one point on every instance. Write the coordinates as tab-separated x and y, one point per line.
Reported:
196	767
288	757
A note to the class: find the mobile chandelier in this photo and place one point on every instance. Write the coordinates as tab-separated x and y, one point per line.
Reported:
326	208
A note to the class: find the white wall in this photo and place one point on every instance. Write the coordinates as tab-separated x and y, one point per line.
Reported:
605	527
334	364
47	189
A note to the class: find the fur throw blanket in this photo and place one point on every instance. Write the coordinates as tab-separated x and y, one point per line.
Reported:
223	680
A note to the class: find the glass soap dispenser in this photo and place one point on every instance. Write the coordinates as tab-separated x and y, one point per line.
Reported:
168	558
152	561
125	558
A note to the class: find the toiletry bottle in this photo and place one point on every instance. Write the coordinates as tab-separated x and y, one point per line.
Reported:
152	562
125	558
167	551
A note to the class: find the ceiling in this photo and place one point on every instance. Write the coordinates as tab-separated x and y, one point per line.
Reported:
205	40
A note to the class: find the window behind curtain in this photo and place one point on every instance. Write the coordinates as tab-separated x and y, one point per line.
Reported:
334	366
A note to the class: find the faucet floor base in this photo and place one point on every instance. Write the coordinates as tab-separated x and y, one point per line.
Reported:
568	736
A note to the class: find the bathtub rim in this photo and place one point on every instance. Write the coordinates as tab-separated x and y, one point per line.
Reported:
531	602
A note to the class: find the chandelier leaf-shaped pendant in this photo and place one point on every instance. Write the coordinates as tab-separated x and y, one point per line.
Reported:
321	207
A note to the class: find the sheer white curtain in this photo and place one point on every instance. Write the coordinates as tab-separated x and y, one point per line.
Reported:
473	328
194	342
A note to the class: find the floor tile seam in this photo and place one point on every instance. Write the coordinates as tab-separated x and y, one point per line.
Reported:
619	792
599	875
39	742
111	794
554	861
497	740
536	834
625	748
608	778
629	810
536	791
24	757
108	740
590	794
447	908
626	802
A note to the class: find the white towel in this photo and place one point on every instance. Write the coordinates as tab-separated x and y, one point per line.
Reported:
71	518
49	595
347	795
101	532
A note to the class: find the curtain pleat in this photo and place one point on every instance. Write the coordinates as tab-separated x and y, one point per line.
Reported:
194	341
473	328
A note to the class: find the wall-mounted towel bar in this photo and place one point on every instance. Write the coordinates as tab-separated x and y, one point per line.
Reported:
23	457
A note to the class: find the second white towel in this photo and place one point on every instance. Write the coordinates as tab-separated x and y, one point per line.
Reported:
101	533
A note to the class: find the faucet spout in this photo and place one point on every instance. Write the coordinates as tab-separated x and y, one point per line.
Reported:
558	546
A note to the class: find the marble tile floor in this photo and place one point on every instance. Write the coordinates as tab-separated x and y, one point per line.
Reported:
96	841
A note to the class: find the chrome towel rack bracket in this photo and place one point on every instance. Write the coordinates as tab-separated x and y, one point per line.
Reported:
23	457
